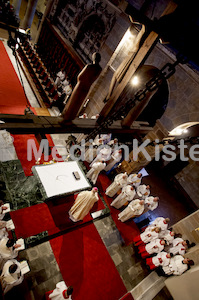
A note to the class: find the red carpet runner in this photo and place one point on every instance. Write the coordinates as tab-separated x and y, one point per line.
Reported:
13	101
86	265
128	229
48	216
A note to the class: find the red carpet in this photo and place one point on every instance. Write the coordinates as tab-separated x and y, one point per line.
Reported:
13	101
50	216
11	92
128	229
85	264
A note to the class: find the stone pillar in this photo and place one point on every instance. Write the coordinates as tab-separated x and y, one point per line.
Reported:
17	4
47	10
29	15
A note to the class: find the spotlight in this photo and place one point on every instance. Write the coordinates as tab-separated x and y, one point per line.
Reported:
135	80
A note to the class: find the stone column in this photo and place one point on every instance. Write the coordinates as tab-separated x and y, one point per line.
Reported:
29	15
17	4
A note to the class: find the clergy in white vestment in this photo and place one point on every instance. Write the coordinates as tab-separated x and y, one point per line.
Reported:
135	179
104	154
2	209
161	259
8	248
11	275
147	236
151	202
127	194
93	173
61	292
115	158
120	181
91	152
83	204
178	265
112	143
134	209
154	246
179	246
143	191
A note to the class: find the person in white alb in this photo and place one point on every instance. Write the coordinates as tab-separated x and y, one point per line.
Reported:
2	209
83	204
127	194
178	265
143	191
91	151
179	246
11	275
61	292
93	173
154	246
8	249
104	153
161	259
3	229
135	179
160	222
134	209
115	158
167	235
120	181
146	236
151	202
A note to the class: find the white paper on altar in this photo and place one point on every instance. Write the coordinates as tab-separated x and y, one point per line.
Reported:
58	178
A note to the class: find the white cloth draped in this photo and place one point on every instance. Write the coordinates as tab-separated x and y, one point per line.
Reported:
9	280
154	246
115	157
134	180
142	191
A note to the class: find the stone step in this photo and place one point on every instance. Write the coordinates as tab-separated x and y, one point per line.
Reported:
148	288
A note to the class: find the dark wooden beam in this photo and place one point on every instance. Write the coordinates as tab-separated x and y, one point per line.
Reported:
31	124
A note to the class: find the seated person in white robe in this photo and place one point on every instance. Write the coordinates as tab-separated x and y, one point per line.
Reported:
161	259
11	275
83	204
115	158
154	246
127	194
168	236
2	209
147	236
8	249
61	292
178	265
143	191
135	179
120	181
151	202
134	209
161	222
3	229
179	246
93	173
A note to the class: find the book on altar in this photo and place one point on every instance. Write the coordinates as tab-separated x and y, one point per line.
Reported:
21	243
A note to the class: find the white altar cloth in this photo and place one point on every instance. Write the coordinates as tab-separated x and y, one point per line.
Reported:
58	178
